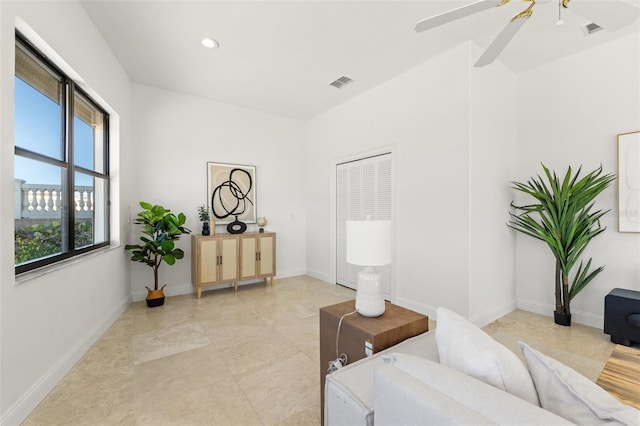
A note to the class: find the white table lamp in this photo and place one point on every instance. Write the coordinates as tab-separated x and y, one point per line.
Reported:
369	245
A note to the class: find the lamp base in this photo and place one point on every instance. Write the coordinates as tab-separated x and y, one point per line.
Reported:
369	299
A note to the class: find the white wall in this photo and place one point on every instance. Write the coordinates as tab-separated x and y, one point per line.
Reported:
492	150
569	113
425	114
175	135
48	322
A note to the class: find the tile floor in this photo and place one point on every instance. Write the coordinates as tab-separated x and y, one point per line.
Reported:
244	358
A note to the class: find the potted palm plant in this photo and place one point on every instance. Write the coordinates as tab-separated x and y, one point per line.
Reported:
160	229
562	217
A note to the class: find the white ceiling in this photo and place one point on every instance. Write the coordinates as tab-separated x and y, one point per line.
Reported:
280	56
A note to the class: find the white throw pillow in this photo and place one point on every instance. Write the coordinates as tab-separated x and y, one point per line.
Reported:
463	346
569	394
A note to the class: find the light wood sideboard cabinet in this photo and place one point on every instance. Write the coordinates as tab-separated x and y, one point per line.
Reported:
228	258
258	256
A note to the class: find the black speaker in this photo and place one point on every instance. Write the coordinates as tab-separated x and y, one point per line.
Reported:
622	316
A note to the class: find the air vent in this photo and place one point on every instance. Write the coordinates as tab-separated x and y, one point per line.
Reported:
590	28
339	82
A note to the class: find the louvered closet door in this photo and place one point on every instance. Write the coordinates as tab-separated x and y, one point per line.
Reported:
363	188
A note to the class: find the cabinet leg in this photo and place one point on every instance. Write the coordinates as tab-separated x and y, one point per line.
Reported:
271	280
235	286
199	292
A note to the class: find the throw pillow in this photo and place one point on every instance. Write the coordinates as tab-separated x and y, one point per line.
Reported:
569	394
463	346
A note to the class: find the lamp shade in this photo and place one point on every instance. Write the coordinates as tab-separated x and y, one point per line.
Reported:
369	242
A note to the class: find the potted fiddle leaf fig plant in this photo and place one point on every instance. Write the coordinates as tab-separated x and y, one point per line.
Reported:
563	218
160	229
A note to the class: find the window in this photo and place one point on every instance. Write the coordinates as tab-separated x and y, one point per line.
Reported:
61	170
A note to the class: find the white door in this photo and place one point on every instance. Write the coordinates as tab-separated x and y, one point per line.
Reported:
363	189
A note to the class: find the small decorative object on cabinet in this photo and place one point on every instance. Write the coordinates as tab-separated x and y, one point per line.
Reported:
236	227
160	228
566	223
229	258
262	222
205	218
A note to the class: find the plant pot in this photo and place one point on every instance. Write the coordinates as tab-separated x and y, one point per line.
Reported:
205	228
562	319
155	298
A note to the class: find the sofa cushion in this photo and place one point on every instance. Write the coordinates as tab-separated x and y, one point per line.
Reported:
477	397
569	394
401	399
463	346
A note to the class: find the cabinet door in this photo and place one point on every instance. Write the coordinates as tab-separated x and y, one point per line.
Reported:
207	258
248	257
229	264
267	255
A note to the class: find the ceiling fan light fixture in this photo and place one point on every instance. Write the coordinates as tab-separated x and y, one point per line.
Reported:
210	43
590	28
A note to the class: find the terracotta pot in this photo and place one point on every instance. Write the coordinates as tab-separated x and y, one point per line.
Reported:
155	298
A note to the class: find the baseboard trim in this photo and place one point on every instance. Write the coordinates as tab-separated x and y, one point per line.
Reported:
140	295
480	320
313	273
428	310
291	273
19	411
493	314
577	316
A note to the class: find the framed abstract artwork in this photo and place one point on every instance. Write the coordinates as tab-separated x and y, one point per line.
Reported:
629	182
231	192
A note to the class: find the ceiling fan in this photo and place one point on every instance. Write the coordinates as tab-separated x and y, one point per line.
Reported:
611	15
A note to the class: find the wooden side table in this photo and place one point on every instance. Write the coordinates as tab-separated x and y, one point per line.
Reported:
392	327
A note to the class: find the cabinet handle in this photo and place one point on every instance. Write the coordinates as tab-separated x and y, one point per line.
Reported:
259	255
219	260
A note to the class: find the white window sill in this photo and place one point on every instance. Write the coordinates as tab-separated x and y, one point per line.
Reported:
36	273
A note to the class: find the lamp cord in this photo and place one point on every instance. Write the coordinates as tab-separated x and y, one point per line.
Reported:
338	332
341	360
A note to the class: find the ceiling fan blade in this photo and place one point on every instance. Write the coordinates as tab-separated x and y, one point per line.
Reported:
500	42
610	15
454	14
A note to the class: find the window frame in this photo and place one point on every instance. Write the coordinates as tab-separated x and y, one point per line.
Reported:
69	90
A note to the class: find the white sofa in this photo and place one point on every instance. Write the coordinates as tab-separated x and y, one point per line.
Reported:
457	374
399	398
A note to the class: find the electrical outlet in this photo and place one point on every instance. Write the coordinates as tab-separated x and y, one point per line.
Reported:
368	348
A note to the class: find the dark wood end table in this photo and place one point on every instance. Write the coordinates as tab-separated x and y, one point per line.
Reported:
393	326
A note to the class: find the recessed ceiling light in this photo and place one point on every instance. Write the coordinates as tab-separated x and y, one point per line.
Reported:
210	43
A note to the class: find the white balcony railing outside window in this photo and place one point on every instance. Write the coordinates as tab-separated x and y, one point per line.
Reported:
43	201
